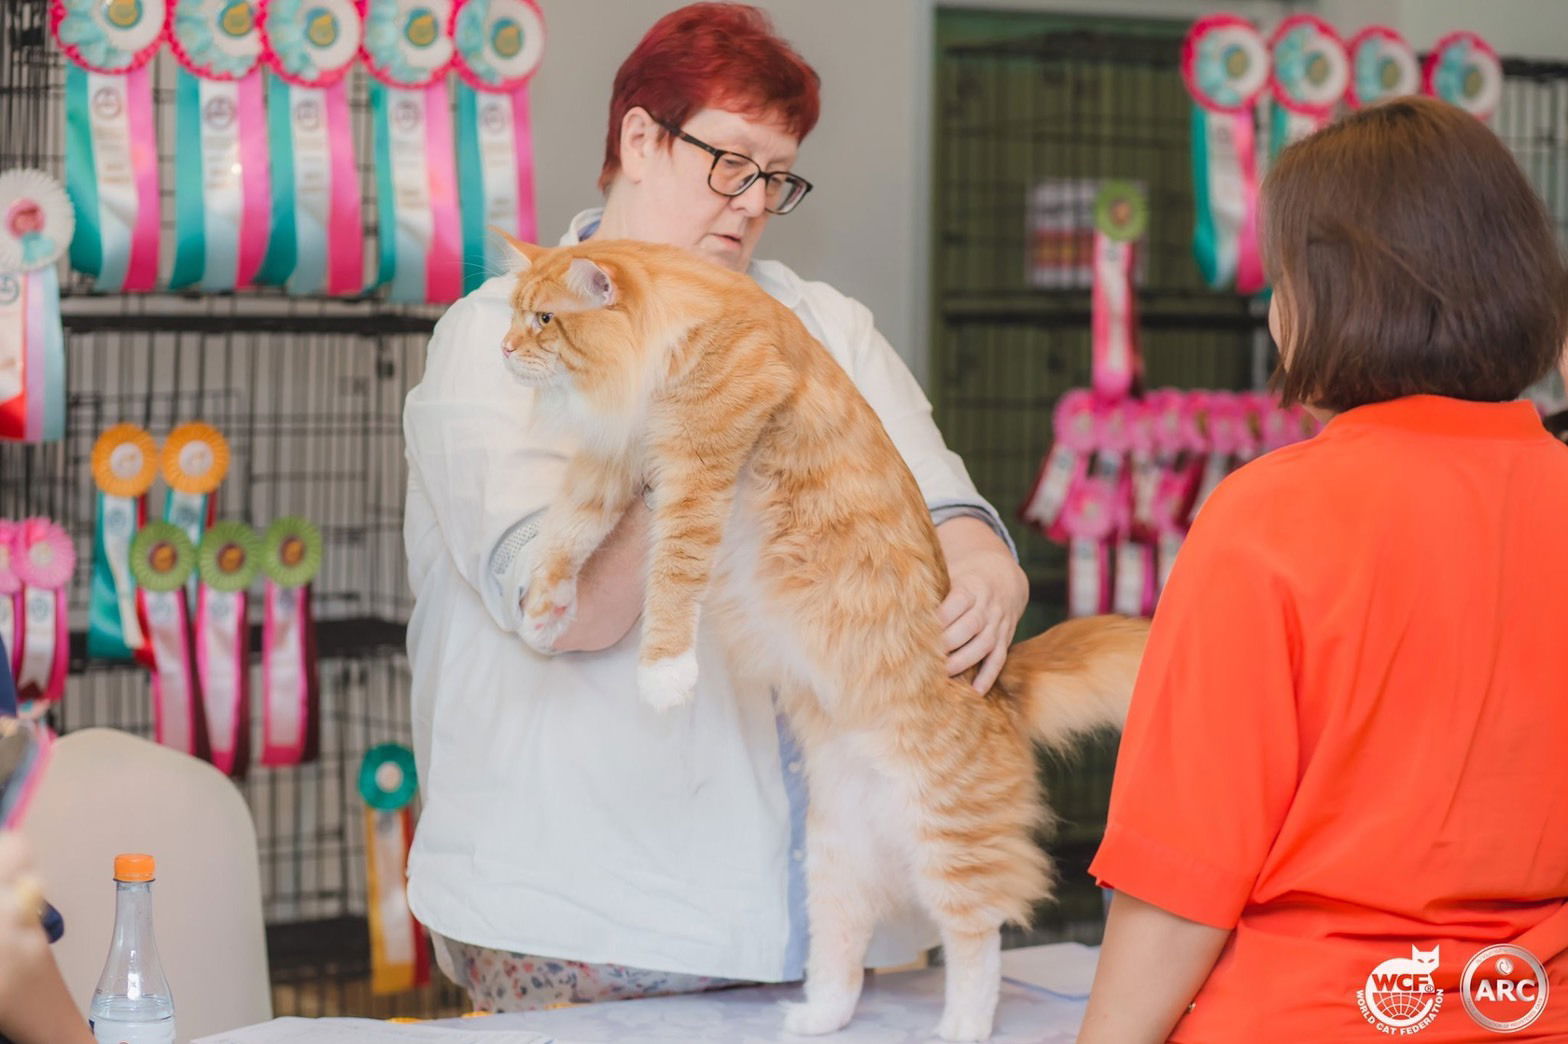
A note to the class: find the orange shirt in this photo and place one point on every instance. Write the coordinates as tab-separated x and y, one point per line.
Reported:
1349	737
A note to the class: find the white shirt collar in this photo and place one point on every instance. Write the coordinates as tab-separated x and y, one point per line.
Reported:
774	277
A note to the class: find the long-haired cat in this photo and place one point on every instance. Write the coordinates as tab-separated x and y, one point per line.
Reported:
783	515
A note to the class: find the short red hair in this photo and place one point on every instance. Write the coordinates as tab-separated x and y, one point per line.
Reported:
712	55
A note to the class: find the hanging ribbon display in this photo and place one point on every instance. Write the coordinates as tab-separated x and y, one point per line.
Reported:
1382	66
1121	213
227	562
408	49
10	598
221	204
44	559
111	148
1463	70
1310	74
290	709
162	560
124	464
317	244
195	463
1072	446
36	224
398	958
1226	66
499	45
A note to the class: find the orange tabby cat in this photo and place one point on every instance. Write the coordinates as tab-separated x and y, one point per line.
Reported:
783	514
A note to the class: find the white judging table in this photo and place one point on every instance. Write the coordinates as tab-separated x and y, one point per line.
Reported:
1044	992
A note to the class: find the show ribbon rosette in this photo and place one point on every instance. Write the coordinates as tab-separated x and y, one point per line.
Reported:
1121	214
222	204
499	45
43	558
1310	74
227	561
1225	64
316	245
1382	66
1463	70
163	560
290	559
36	226
111	145
398	959
408	49
124	464
195	463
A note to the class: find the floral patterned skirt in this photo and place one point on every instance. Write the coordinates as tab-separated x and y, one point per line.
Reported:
500	981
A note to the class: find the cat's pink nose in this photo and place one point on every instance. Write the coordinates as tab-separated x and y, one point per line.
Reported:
508	345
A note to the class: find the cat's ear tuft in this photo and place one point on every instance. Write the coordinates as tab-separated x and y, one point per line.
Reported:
525	254
591	283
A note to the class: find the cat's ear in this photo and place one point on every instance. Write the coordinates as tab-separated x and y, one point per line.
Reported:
527	253
591	283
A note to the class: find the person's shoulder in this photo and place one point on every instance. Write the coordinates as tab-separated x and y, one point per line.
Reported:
487	307
1271	486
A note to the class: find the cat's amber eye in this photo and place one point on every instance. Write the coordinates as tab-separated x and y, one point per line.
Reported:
545	317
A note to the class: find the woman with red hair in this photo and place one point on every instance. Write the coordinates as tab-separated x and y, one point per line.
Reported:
573	844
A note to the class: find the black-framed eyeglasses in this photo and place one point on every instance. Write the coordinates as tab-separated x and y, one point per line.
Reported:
733	173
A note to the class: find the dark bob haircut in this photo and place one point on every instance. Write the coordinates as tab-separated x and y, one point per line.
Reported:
1413	257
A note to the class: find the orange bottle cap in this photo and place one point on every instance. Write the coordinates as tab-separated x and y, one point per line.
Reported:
134	866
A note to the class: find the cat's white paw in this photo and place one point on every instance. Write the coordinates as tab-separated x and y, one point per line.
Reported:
670	682
813	1020
548	610
965	1025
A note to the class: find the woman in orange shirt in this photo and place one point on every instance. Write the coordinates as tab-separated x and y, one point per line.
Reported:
1344	777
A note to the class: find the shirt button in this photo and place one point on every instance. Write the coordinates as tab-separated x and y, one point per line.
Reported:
799	854
794	766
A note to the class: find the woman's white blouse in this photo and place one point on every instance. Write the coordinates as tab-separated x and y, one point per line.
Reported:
561	817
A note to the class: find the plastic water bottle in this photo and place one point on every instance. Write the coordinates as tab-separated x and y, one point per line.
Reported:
132	1004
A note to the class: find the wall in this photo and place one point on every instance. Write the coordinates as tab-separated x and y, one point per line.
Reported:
864	227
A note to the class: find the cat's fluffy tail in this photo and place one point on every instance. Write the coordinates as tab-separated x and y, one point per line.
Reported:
1077	677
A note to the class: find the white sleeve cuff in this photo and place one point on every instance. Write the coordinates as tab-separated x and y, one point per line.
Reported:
511	566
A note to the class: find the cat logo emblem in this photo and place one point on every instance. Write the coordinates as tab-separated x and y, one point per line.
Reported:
1399	996
1504	988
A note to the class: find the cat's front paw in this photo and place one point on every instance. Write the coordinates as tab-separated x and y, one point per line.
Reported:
965	1025
810	1019
549	608
669	682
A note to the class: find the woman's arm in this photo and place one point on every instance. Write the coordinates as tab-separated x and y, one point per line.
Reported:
610	587
1151	965
35	1006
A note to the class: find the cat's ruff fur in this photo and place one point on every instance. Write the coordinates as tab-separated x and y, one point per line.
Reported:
783	511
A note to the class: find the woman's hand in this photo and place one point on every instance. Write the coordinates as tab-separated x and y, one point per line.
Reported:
987	596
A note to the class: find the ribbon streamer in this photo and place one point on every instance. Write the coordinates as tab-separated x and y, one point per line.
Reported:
221	204
10	598
289	683
195	463
1064	466
111	149
124	464
1226	66
407	50
316	246
398	954
499	45
36	225
1121	214
163	559
227	561
44	560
